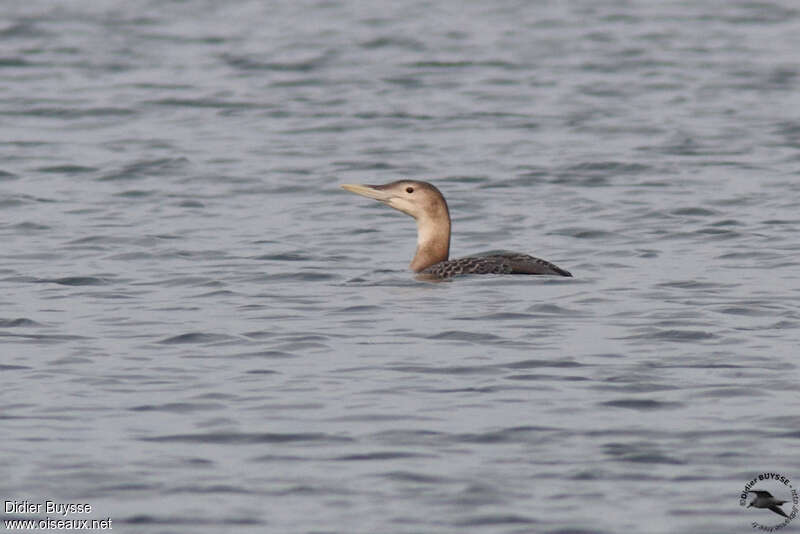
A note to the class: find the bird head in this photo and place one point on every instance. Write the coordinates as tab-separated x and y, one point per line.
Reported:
421	200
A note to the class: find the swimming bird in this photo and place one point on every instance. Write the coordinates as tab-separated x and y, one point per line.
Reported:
427	205
764	499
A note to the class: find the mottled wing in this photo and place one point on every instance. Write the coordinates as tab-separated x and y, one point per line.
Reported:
508	263
450	268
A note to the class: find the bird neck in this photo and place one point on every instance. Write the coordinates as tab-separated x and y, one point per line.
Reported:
433	242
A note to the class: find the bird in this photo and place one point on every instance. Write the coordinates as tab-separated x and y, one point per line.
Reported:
764	499
424	202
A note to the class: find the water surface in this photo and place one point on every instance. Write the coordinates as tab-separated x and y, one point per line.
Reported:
200	332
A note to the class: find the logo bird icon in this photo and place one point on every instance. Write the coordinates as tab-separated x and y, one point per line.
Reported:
764	499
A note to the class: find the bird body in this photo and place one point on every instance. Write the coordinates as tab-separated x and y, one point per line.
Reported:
427	205
494	263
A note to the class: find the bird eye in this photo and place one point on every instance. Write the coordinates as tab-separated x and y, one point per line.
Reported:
409	189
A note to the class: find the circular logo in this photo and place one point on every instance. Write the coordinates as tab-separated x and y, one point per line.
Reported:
773	498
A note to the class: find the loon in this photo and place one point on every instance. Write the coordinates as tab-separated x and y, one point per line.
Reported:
427	205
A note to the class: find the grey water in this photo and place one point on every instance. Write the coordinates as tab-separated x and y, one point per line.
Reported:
200	332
